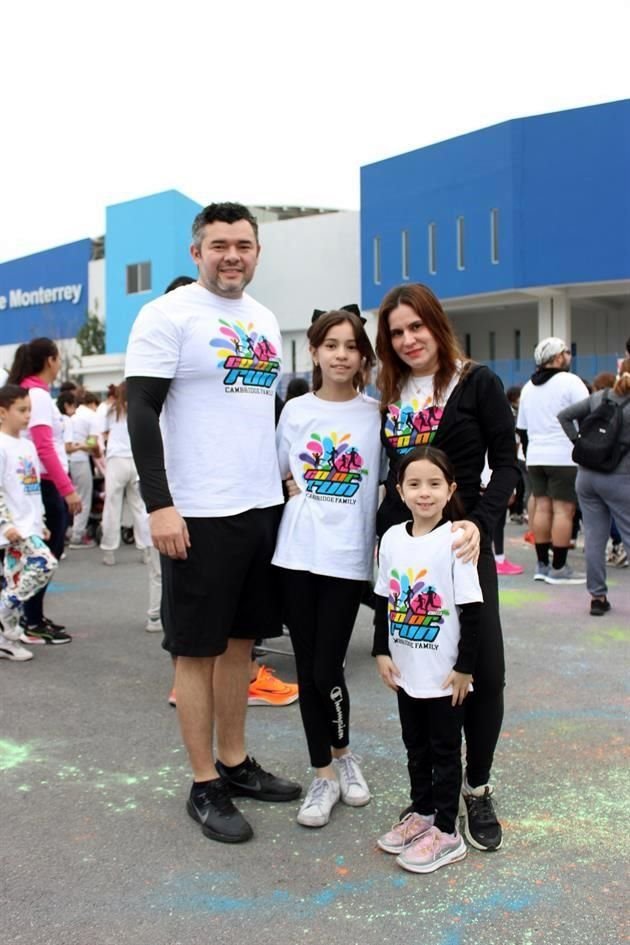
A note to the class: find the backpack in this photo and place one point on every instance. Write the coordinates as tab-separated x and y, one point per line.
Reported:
598	445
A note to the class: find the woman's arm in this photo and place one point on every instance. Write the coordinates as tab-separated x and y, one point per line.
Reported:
43	441
497	424
573	412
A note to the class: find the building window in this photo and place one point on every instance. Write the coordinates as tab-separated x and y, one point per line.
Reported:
376	259
404	249
468	345
460	243
492	345
138	278
517	348
433	248
494	236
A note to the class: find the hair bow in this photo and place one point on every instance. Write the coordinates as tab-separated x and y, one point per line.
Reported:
353	308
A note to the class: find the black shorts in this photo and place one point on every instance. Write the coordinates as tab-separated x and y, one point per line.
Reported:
226	587
553	482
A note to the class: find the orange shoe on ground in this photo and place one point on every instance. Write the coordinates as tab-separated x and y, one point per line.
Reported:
266	689
529	538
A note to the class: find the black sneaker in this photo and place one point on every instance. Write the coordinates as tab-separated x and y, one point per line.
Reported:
219	818
250	780
53	625
481	827
599	607
43	633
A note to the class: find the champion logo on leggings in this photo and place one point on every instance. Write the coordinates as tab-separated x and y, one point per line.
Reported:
336	696
333	467
415	607
251	360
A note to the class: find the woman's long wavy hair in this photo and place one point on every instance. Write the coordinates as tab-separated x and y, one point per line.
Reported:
622	384
119	407
393	372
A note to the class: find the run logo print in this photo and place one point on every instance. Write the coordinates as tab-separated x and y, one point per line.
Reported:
332	466
27	474
409	425
414	607
249	358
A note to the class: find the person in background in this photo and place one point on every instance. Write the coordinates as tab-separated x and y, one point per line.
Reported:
85	439
602	495
35	367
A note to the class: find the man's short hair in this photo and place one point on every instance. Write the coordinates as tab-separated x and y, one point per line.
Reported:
222	213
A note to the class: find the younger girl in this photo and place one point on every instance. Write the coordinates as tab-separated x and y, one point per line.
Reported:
425	642
328	441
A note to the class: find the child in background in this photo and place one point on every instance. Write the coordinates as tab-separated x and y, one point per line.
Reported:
28	562
425	642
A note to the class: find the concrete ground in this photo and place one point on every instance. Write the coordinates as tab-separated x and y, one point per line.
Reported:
96	847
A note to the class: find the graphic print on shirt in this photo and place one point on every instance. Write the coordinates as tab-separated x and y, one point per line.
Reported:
409	424
27	474
333	467
414	608
249	358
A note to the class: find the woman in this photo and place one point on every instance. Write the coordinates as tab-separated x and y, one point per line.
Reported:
602	495
121	482
431	393
35	367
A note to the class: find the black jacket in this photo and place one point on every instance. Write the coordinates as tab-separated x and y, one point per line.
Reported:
477	419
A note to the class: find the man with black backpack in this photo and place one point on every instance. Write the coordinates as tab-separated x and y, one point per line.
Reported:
551	469
602	450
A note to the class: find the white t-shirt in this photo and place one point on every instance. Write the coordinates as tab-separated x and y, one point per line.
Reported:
19	481
333	451
118	442
44	412
539	406
218	422
85	423
423	581
414	419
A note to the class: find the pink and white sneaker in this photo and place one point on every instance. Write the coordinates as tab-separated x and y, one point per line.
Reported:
433	850
507	569
405	832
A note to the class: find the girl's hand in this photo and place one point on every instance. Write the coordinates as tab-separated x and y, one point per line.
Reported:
460	683
467	547
12	534
292	487
387	671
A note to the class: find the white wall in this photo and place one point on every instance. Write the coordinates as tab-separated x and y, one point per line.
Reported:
96	288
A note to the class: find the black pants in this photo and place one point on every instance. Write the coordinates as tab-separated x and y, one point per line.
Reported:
320	613
483	708
432	733
56	523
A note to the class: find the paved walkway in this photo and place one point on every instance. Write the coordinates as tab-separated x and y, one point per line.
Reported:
96	848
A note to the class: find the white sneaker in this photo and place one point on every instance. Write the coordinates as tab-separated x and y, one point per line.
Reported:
109	558
10	621
12	650
352	784
154	625
322	796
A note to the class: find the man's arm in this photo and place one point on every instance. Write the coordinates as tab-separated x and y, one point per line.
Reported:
145	398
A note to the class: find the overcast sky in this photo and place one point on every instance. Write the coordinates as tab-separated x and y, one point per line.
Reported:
268	103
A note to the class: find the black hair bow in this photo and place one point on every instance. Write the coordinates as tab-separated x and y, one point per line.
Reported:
353	308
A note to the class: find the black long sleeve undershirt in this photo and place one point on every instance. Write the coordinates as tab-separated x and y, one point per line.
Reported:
145	399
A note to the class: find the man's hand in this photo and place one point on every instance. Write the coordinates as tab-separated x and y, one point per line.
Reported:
169	532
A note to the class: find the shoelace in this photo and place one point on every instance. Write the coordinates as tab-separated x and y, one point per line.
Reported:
483	808
407	831
318	789
347	762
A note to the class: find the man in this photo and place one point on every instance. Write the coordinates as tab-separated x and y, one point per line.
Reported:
551	470
214	495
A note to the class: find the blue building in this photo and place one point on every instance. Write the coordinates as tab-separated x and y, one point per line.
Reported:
522	229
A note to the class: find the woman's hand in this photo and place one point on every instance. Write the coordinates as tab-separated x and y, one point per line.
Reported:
291	487
387	671
73	501
467	546
460	683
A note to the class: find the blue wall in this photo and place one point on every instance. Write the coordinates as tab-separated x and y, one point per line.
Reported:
153	229
559	181
54	284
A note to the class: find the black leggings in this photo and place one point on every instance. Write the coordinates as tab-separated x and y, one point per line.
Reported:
56	523
320	613
432	733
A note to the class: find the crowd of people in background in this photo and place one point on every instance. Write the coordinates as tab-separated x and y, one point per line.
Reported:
447	454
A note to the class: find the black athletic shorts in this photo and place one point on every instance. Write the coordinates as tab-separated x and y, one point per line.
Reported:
226	587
